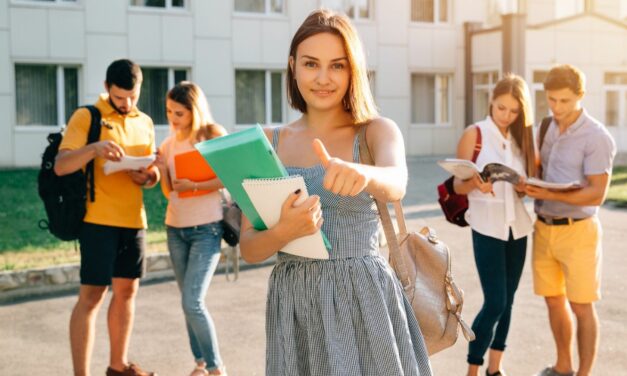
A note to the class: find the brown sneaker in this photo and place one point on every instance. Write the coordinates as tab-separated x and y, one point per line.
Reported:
130	370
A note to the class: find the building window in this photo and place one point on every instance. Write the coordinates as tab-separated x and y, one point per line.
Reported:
431	98
167	4
615	87
355	9
541	105
434	11
259	97
260	6
157	82
45	94
483	84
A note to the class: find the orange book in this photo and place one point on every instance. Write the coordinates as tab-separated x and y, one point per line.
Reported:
192	166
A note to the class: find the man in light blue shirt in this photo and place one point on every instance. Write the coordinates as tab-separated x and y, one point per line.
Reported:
567	234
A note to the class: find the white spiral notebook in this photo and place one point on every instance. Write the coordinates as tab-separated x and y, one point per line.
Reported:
268	195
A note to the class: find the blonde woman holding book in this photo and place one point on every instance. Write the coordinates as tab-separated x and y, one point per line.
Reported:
193	222
499	221
346	315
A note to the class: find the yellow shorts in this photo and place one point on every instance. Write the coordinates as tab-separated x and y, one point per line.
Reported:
567	260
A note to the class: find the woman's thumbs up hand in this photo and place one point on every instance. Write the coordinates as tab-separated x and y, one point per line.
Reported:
341	177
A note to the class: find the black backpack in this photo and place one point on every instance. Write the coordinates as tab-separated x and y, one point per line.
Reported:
65	197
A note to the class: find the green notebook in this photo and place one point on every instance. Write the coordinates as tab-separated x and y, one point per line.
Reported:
244	155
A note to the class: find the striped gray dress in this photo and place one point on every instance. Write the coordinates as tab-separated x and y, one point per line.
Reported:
346	315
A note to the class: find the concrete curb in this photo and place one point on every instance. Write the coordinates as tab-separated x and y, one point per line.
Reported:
33	284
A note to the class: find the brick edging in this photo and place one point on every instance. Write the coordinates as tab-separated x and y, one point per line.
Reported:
29	284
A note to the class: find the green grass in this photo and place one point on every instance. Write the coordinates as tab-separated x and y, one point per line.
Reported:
618	186
24	245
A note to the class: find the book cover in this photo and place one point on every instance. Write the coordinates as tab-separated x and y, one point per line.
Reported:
242	155
554	186
192	166
268	196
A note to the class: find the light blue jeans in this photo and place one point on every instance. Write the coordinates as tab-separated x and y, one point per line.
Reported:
195	253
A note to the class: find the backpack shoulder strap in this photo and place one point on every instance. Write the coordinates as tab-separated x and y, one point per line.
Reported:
478	144
544	127
92	136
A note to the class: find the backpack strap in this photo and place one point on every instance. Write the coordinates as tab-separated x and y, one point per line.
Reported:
544	127
92	136
478	144
386	219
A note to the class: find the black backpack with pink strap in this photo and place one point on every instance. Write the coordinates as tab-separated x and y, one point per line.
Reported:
65	197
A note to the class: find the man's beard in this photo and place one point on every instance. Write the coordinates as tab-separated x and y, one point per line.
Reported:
117	109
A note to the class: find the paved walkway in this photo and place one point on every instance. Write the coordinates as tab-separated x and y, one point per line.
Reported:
34	335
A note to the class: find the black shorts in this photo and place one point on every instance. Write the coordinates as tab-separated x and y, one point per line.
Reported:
110	252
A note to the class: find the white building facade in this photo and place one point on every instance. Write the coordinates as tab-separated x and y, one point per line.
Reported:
54	54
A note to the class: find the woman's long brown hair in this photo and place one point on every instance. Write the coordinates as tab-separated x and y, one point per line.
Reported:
191	96
358	100
522	128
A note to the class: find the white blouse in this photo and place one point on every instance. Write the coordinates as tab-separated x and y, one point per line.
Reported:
494	216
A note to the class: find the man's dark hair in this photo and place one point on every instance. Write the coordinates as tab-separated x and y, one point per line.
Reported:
124	74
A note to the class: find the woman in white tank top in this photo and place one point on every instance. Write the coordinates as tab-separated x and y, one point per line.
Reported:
499	221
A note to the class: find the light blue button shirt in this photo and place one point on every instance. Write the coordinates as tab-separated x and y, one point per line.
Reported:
586	148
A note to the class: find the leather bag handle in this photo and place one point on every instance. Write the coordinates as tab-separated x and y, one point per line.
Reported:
386	219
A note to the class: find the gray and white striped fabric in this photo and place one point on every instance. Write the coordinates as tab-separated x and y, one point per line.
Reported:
347	315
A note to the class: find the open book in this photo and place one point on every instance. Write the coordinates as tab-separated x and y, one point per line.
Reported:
268	196
554	186
128	163
465	169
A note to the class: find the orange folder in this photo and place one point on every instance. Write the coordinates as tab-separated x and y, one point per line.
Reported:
191	165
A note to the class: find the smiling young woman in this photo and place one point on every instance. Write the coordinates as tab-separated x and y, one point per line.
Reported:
346	315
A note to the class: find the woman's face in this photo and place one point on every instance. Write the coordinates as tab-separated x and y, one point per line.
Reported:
179	117
322	71
505	109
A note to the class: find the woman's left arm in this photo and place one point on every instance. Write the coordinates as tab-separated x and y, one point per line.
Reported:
386	180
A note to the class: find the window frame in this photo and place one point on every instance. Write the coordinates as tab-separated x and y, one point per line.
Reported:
436	14
492	80
267	97
356	17
75	4
166	8
437	102
170	84
535	87
60	93
266	12
621	89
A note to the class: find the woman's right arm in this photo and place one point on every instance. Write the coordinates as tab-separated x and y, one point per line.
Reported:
162	164
295	222
465	150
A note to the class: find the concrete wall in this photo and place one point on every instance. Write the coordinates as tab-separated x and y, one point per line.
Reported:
212	41
601	47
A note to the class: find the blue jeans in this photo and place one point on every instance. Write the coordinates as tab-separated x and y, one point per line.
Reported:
500	265
195	253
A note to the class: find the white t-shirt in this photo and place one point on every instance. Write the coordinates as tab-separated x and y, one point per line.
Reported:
189	211
494	216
